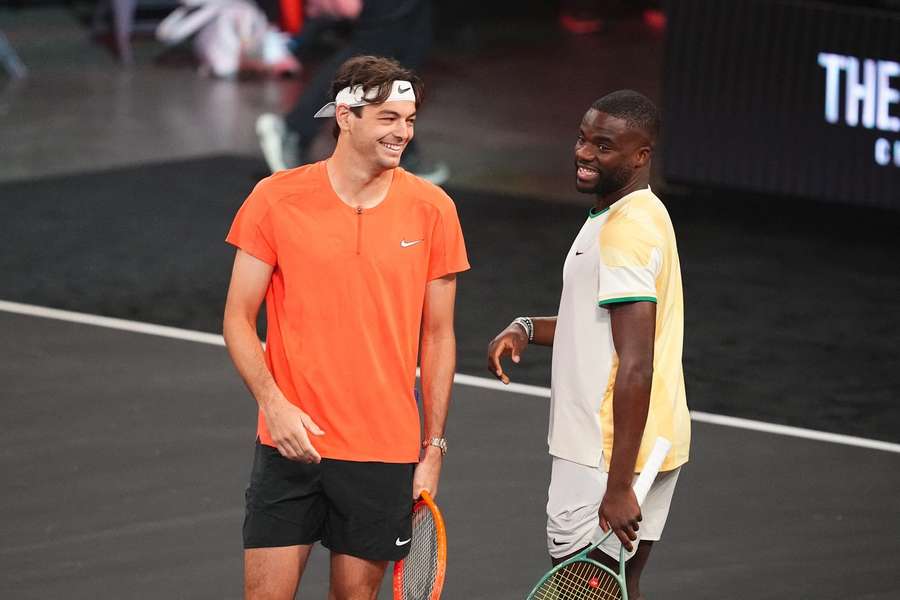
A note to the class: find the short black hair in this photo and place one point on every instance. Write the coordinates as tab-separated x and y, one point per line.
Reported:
636	109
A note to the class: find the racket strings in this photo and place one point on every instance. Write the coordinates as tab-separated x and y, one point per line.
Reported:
421	565
580	580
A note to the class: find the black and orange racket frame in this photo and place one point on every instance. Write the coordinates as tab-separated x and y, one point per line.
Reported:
425	502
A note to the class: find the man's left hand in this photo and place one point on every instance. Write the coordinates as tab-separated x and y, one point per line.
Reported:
428	472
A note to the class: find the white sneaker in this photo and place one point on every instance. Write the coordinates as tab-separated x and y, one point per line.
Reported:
280	146
435	171
277	59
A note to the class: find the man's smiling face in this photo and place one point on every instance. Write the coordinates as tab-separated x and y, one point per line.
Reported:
382	131
605	153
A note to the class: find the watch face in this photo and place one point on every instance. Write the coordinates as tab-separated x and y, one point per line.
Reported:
437	442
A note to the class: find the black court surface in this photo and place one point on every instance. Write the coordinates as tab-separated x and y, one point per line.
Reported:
125	455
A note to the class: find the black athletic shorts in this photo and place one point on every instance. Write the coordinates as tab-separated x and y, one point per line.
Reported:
363	509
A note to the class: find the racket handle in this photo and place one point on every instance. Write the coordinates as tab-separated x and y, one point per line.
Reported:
651	468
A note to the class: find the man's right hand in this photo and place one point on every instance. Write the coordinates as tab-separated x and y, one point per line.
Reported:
511	341
288	427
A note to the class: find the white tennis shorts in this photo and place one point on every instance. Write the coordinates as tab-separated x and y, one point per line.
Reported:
574	499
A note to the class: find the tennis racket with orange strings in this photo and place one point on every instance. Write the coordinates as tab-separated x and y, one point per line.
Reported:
582	578
420	576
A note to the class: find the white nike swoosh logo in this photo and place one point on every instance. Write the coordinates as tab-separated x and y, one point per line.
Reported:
405	244
403	543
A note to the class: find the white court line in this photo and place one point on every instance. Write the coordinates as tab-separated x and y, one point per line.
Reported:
141	528
469	380
703	417
111	323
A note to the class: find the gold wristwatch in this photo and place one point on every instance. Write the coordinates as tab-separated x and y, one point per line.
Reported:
438	442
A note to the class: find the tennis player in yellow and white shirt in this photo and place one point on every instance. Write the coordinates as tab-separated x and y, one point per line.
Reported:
617	380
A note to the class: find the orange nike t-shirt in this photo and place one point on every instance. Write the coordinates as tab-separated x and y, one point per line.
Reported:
344	305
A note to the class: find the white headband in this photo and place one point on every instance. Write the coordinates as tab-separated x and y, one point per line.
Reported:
356	96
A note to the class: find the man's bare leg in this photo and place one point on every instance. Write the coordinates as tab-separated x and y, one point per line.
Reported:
634	568
274	573
355	578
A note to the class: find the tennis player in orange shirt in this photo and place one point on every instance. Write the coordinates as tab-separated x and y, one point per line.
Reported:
356	260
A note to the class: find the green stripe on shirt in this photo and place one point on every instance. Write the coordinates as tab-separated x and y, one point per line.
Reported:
627	299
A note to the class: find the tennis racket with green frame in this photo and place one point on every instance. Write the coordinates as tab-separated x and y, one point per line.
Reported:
583	578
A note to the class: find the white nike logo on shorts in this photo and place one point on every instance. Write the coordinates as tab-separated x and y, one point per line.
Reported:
405	244
403	543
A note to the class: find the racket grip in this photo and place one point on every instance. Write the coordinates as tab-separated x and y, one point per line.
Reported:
651	468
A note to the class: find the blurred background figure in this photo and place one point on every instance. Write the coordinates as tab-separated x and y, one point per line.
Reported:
321	18
229	36
400	29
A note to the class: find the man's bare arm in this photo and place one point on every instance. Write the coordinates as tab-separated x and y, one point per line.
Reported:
544	330
287	424
438	364
633	331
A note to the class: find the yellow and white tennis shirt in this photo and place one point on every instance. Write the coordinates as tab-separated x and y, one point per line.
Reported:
622	254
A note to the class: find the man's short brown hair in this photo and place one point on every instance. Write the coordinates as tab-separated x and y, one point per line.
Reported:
373	72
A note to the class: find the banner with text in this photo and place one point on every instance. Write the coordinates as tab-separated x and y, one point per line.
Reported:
784	97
